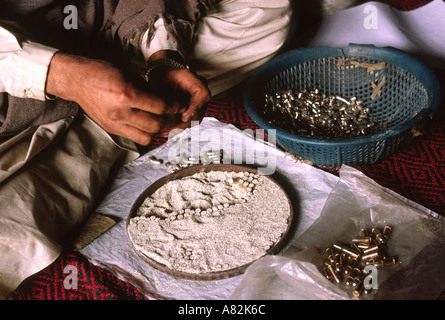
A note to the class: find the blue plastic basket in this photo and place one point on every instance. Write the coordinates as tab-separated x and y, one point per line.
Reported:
410	94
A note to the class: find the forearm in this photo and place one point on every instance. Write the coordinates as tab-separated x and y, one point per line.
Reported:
66	74
83	80
108	97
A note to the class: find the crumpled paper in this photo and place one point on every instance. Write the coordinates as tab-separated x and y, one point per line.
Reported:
417	241
323	202
113	250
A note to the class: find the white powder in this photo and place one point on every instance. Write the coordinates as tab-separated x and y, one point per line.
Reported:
210	221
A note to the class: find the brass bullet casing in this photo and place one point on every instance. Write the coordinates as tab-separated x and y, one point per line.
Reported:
378	236
330	254
362	247
371	256
338	263
349	281
337	246
347	270
362	240
358	290
364	232
355	273
371	249
349	264
372	262
342	248
333	274
356	282
350	261
386	262
387	232
327	274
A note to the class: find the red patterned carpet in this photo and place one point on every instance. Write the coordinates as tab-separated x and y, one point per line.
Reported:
417	172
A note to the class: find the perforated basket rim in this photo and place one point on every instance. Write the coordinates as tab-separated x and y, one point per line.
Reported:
298	56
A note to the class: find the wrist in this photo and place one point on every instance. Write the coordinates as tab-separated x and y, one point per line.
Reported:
170	54
163	64
164	60
59	70
66	72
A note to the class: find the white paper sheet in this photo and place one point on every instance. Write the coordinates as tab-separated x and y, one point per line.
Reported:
310	185
113	251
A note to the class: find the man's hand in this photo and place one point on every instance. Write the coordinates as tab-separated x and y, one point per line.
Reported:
110	100
180	86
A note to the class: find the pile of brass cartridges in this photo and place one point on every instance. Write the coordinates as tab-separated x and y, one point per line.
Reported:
311	114
346	263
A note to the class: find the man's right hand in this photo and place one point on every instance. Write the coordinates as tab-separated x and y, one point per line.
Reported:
109	99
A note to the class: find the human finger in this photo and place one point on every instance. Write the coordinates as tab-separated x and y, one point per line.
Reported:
132	133
145	121
175	122
199	96
191	87
155	105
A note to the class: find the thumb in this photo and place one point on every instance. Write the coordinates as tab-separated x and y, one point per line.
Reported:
199	97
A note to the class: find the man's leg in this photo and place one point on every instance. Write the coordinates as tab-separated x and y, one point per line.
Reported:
238	37
51	195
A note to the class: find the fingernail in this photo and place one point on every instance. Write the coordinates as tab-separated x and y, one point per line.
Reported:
186	117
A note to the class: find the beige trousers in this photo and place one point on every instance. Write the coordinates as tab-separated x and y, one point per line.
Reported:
51	178
237	38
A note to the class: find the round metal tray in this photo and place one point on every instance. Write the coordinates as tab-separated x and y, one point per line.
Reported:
217	275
